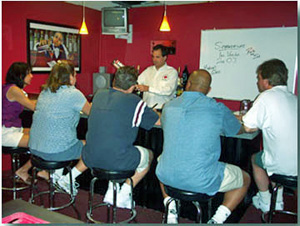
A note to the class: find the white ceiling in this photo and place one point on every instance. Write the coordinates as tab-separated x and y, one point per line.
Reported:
98	5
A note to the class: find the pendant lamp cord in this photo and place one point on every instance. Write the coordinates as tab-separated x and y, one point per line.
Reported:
83	10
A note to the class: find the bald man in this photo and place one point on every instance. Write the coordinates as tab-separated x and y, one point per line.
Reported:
192	125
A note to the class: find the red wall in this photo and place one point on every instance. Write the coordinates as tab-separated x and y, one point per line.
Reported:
186	22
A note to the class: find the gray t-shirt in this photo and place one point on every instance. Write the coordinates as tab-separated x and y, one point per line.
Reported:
112	129
55	119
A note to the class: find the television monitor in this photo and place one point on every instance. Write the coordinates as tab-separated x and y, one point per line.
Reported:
114	20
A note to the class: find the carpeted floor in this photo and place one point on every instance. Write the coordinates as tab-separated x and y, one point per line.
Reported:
149	215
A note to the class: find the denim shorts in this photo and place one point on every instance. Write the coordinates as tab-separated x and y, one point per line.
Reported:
258	159
72	153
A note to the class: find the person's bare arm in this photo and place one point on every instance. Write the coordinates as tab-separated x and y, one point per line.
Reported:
86	108
249	130
16	94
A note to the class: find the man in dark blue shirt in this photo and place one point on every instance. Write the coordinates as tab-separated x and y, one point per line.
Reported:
113	124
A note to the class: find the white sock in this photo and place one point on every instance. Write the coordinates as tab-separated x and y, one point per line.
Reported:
75	173
172	205
166	200
221	214
279	197
59	172
265	196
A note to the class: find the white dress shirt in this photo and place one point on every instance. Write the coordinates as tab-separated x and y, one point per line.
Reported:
162	85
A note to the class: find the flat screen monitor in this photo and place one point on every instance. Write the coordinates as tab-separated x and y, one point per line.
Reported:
114	21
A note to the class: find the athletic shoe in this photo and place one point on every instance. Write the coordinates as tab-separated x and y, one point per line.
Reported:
55	178
124	201
65	185
108	197
172	212
212	221
264	207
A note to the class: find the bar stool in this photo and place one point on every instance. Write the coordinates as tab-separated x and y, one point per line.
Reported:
41	164
15	153
279	180
181	195
115	177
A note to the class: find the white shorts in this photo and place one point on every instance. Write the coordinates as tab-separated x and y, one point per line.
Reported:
233	178
11	136
144	162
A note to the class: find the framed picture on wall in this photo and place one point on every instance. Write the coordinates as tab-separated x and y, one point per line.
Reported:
47	43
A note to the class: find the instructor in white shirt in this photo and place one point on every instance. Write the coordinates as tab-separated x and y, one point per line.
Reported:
158	82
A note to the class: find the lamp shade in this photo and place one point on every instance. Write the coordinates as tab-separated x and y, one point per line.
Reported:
83	29
165	24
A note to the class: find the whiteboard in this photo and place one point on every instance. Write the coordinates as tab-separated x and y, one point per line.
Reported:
232	57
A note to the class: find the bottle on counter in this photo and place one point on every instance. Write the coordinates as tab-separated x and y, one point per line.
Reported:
180	87
245	106
185	76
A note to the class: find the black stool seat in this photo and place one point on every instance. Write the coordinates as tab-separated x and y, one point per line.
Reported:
279	180
288	181
48	165
115	177
186	195
13	150
15	153
182	195
111	174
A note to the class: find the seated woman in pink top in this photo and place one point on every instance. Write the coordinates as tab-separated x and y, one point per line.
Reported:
14	99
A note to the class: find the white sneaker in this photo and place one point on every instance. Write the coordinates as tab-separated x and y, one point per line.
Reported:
212	221
108	197
65	185
124	201
264	207
55	178
172	212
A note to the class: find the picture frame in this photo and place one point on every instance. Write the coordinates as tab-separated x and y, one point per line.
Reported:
49	42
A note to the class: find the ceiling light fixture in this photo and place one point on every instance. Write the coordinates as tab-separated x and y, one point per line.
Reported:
165	24
83	29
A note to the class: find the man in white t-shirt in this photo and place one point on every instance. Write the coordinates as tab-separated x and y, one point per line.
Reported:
275	113
158	82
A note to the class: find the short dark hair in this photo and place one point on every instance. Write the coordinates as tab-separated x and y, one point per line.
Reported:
16	73
125	77
59	75
275	71
164	49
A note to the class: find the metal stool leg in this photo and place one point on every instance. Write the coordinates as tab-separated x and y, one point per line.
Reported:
114	202
32	186
178	207
273	202
14	169
91	198
199	212
51	189
209	204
